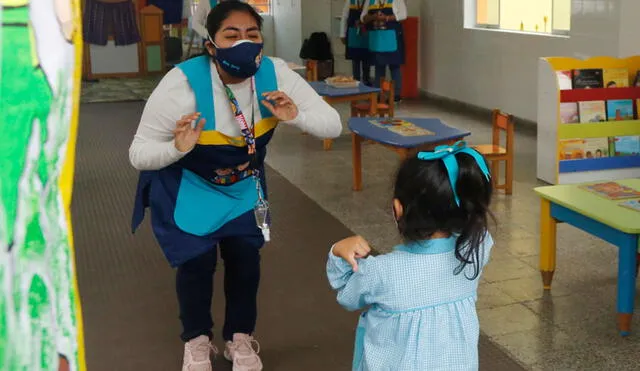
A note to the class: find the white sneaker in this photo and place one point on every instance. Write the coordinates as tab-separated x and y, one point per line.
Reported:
241	352
197	354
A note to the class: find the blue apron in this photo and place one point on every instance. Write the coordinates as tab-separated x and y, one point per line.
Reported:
385	45
213	3
357	40
189	213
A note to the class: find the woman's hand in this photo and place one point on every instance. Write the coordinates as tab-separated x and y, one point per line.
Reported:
186	135
352	248
280	105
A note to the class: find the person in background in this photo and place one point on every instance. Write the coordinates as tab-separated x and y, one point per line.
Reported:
354	37
421	297
200	148
386	42
200	16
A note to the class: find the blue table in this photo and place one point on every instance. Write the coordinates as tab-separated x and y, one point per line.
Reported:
405	136
338	95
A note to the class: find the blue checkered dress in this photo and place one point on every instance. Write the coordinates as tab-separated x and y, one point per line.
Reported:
420	316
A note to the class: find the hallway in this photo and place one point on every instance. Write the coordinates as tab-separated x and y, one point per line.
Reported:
129	304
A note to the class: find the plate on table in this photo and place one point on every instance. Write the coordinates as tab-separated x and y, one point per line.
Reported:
342	82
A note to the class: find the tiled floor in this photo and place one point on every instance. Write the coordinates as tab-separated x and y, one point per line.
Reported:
570	328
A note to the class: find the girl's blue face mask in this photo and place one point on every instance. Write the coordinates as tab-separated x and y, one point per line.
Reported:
241	60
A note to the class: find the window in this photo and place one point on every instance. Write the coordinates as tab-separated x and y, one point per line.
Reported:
539	16
262	6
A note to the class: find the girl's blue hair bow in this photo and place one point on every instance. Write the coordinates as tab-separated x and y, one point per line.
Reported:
448	156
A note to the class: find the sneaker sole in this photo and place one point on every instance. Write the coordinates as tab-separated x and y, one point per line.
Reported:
227	356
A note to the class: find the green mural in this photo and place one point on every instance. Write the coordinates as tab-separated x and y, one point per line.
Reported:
40	327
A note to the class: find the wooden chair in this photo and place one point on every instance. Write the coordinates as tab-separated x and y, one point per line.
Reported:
312	70
494	153
386	107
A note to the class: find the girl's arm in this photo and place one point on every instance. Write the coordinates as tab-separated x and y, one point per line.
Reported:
153	146
199	20
356	289
399	11
365	12
343	20
315	115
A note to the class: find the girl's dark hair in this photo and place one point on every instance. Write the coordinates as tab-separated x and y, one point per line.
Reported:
429	206
222	11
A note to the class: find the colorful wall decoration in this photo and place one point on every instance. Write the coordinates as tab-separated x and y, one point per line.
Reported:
40	70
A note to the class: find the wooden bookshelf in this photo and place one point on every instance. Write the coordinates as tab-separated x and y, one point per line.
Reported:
550	168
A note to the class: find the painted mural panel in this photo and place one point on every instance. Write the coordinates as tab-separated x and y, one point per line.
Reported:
40	68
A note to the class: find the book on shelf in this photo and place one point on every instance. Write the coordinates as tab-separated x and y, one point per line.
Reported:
592	111
626	145
631	204
571	149
564	80
596	147
615	77
620	110
589	78
612	190
636	83
569	113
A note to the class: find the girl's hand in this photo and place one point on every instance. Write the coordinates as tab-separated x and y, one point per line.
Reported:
280	105
186	135
352	248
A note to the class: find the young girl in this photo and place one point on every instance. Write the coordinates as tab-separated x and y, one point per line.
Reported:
422	296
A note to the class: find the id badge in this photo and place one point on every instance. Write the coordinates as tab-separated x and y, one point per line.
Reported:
261	212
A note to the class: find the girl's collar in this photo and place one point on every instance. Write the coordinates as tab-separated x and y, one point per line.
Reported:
429	247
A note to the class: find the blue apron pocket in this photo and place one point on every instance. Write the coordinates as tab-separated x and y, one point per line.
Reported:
383	41
203	207
356	40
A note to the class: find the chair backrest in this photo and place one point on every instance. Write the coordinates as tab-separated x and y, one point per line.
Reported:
388	91
312	70
503	122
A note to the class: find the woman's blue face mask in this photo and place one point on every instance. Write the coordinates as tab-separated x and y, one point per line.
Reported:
241	60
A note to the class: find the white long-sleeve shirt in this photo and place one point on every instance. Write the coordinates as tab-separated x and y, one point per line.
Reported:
399	10
153	146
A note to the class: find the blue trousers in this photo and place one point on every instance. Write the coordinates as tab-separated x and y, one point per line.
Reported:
396	76
361	70
194	285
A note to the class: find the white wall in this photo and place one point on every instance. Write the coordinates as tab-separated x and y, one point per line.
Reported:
494	69
287	18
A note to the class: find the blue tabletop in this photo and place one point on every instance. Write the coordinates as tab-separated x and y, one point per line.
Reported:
324	90
405	132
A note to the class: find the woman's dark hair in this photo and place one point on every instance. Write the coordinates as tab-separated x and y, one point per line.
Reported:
424	190
222	11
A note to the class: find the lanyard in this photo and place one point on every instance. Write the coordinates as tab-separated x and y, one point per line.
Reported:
248	132
360	4
382	3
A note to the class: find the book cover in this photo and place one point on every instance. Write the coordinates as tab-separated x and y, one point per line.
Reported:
569	113
571	149
612	190
596	147
587	78
564	80
616	77
631	204
620	110
592	111
626	146
636	83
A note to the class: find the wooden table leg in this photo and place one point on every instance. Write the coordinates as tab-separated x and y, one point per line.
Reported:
548	227
626	282
373	104
356	153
